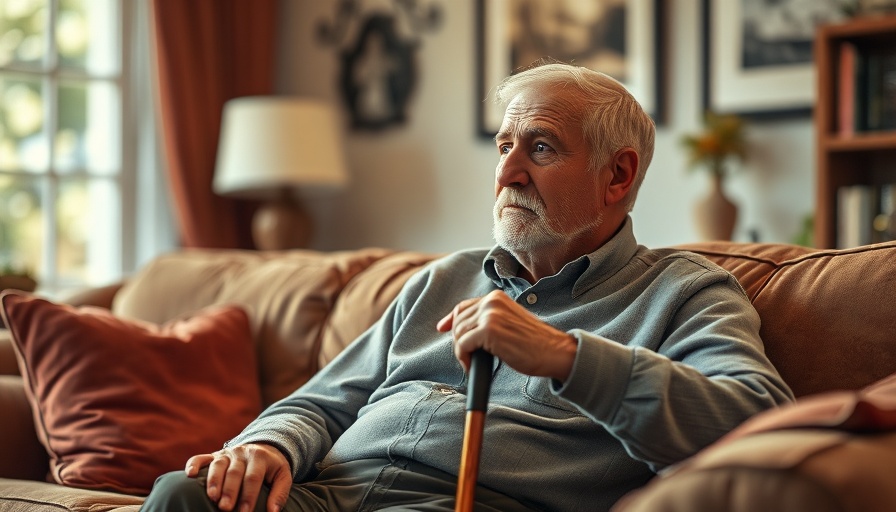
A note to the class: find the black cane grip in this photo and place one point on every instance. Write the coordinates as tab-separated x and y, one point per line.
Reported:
480	381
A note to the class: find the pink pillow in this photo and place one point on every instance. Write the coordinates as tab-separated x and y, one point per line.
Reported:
119	402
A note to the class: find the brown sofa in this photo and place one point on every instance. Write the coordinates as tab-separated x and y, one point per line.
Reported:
829	323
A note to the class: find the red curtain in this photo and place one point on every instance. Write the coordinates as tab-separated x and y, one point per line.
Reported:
208	51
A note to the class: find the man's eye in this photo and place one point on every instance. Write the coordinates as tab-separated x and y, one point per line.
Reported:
541	147
504	148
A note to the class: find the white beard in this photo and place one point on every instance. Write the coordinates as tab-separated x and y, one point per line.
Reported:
527	228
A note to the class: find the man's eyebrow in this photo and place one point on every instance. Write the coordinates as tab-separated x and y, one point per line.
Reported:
530	132
540	131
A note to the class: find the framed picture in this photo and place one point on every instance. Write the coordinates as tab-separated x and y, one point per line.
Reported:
622	38
757	55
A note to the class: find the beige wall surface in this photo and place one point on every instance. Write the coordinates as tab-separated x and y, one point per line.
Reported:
428	184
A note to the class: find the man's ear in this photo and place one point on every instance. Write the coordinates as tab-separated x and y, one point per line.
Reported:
623	168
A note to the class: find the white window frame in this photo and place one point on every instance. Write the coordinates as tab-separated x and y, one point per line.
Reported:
145	227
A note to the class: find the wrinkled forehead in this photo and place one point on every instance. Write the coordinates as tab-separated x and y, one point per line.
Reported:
542	110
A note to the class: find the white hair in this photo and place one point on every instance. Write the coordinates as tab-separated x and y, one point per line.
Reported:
611	118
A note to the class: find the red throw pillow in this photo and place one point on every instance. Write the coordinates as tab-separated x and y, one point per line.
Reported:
119	402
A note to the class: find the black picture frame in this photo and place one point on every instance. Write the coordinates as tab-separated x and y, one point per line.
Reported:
643	33
767	74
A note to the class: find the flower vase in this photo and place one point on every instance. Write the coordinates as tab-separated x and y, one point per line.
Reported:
716	215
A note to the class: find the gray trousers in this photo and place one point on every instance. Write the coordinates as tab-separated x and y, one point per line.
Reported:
364	485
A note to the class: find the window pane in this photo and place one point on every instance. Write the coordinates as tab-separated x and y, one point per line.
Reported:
21	224
88	127
23	144
22	32
88	231
86	35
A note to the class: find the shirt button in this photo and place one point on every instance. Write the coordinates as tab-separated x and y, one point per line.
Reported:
531	298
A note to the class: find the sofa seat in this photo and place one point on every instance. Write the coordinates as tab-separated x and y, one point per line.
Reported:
31	496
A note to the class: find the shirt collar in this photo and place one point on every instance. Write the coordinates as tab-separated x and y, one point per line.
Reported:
608	259
587	271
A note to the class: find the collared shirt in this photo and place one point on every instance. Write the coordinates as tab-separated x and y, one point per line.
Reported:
669	359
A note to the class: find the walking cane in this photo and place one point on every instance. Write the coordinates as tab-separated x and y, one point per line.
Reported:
480	384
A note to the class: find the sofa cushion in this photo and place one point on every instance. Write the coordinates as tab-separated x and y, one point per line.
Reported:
365	298
289	296
823	326
25	496
118	402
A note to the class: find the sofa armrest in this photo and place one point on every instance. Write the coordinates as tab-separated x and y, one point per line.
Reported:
21	454
102	296
8	363
800	470
829	452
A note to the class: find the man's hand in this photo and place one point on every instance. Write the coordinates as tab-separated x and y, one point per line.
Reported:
244	467
501	326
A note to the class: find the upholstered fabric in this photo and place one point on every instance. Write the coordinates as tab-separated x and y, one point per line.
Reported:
829	326
380	283
117	403
872	409
834	451
288	296
23	455
8	364
828	316
25	496
829	319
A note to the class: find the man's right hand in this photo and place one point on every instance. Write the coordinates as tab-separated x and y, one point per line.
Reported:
244	467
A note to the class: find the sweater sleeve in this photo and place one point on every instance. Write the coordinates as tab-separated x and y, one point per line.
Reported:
664	403
306	424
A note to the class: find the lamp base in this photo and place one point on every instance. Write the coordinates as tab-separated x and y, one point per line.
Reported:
281	224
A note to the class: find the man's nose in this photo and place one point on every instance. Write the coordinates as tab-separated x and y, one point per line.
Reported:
512	171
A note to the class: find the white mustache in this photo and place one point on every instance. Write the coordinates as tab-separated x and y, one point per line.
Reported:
512	197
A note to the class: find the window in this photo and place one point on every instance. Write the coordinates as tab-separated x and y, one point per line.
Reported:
77	141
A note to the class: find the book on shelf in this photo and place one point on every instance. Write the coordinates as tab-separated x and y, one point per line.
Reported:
880	91
847	75
865	89
884	222
866	214
854	216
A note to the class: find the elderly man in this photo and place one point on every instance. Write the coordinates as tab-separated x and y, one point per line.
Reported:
612	361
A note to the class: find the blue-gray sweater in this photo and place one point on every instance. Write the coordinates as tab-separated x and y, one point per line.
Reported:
669	359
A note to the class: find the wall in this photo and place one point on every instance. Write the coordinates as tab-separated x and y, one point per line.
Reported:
428	184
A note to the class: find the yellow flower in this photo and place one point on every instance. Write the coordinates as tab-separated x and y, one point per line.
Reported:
722	137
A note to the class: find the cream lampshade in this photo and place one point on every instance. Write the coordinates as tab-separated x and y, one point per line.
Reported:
270	147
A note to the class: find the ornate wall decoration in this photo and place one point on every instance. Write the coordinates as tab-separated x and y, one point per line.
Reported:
377	49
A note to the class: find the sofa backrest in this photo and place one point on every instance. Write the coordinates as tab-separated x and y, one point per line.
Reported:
304	306
828	317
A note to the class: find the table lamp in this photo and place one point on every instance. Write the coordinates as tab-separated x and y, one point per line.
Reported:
270	147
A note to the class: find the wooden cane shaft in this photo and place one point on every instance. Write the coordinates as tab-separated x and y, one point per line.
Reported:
469	461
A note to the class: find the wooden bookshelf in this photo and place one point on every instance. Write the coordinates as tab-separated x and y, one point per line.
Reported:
856	155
